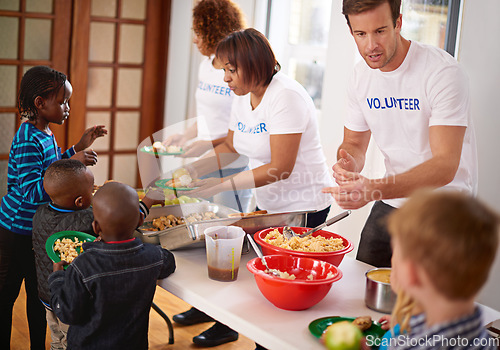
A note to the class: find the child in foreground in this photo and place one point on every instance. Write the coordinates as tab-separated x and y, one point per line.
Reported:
444	244
43	100
106	293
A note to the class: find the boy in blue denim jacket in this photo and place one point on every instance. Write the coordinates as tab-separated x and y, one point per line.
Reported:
106	293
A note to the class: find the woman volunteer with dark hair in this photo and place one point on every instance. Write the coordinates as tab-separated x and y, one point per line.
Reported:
273	123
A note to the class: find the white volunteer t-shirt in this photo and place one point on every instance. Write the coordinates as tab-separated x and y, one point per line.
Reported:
213	102
429	88
286	108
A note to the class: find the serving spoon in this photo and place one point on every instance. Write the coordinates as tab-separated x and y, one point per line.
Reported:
272	272
288	233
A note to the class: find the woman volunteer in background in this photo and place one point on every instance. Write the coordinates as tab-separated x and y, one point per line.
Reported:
212	21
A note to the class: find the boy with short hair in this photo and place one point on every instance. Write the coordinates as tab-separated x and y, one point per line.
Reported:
106	293
444	244
69	184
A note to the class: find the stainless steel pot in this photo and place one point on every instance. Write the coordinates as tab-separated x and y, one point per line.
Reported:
379	295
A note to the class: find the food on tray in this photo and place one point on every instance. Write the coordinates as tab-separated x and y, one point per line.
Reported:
318	244
67	248
159	147
253	213
164	222
363	322
342	336
383	276
207	215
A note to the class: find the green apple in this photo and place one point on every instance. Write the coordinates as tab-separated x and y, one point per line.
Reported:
175	201
342	336
184	198
193	200
169	202
169	194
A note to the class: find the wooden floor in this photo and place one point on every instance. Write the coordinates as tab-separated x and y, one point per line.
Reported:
158	331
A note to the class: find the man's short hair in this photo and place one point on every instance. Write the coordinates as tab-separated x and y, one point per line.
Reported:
354	7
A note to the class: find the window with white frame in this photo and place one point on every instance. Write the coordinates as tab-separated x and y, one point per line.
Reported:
298	32
433	22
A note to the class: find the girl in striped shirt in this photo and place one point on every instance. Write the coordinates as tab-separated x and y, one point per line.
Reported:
43	99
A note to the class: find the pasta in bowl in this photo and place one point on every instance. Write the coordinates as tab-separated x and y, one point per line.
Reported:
322	245
66	245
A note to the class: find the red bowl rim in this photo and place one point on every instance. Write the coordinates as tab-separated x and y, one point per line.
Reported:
263	243
251	267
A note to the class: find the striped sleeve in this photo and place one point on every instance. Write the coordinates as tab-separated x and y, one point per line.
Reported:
70	152
143	208
29	157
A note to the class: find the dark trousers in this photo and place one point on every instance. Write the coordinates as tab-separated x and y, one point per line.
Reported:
17	262
316	219
375	242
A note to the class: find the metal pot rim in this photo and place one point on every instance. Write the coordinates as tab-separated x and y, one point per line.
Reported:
378	269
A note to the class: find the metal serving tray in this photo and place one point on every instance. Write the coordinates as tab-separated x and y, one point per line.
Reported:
179	236
188	234
254	223
251	224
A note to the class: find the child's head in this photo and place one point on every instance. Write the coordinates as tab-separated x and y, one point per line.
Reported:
42	91
116	212
450	236
69	184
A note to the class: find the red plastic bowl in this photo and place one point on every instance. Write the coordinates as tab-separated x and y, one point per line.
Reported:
334	258
300	293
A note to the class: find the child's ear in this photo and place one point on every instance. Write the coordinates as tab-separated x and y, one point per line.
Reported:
414	276
141	219
96	227
39	102
79	202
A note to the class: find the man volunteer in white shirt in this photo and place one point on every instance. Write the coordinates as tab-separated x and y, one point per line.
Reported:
414	100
